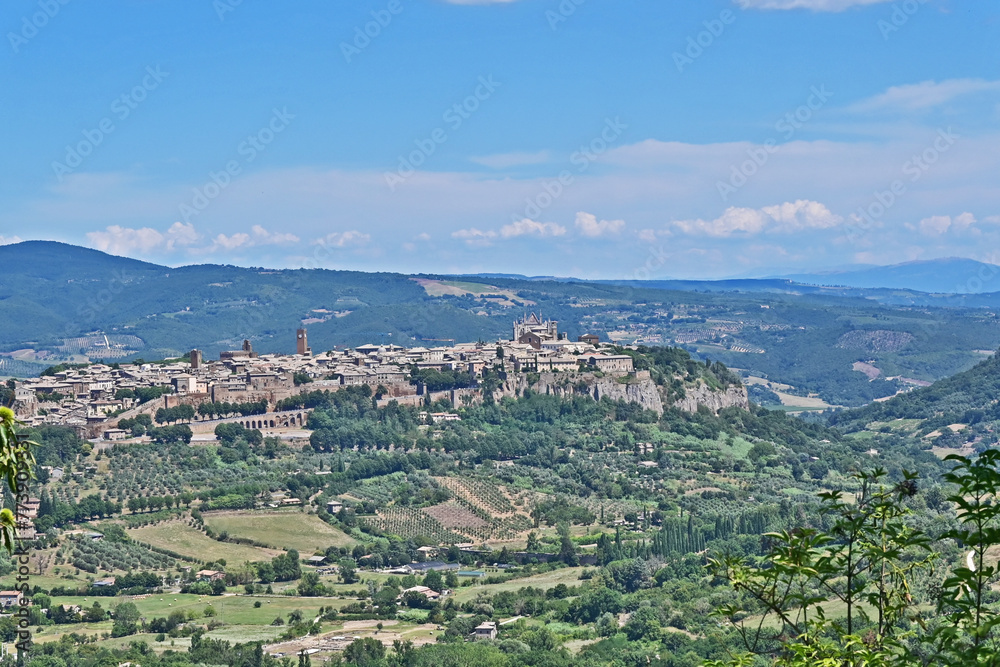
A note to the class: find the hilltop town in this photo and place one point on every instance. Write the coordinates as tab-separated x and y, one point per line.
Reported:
94	398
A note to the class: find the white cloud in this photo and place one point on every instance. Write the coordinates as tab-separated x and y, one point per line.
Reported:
648	184
924	95
475	237
344	239
528	227
784	218
815	5
506	160
589	225
119	240
936	225
181	234
238	240
264	237
473	233
258	237
8	240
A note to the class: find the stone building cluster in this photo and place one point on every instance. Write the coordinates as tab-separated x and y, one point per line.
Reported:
94	398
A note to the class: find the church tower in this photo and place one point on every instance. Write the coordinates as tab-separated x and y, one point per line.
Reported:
302	344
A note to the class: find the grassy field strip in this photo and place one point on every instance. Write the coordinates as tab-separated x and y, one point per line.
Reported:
183	539
283	529
168	644
44	581
569	576
51	633
230	609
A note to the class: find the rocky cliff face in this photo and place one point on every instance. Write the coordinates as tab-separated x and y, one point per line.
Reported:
702	394
644	392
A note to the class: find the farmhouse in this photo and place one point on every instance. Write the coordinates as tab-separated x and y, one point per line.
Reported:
428	593
428	552
423	568
210	575
485	630
9	598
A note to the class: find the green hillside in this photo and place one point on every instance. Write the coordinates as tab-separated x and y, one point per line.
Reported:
61	301
971	398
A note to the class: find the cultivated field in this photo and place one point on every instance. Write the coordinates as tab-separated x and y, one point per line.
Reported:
568	575
291	529
453	515
459	288
181	538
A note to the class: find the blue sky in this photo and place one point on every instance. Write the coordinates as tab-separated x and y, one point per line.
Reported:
625	139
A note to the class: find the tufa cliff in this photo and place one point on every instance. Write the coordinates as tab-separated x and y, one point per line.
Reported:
633	388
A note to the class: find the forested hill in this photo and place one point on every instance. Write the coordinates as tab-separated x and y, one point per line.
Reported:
66	304
50	263
971	397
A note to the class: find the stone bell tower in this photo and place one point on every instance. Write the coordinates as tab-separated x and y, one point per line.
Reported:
302	343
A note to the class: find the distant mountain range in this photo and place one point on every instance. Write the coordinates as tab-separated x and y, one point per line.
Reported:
952	275
937	276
